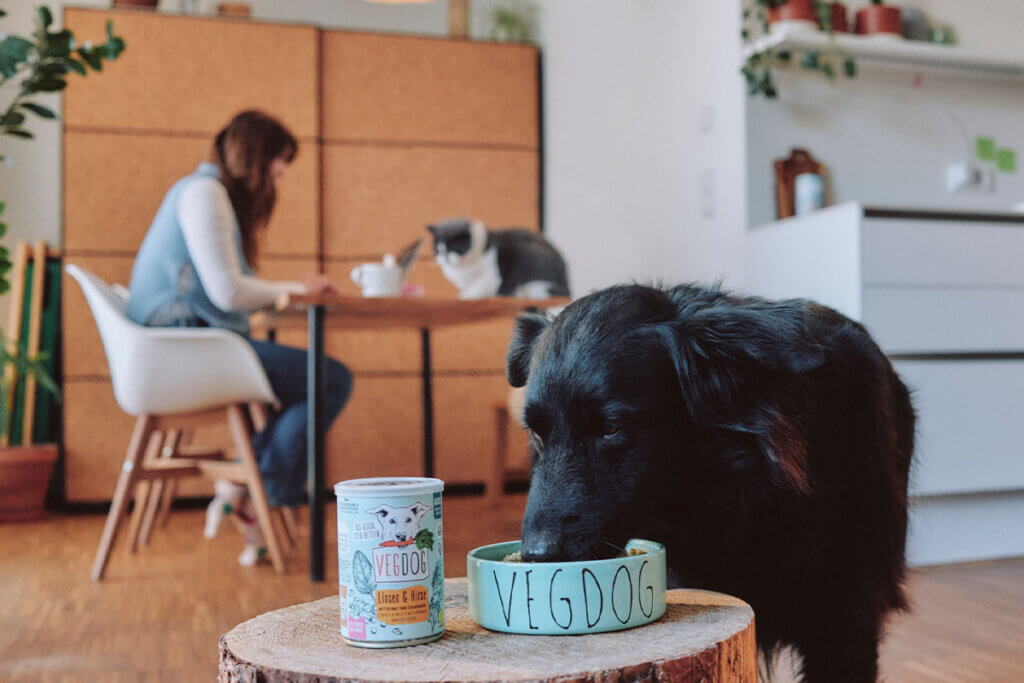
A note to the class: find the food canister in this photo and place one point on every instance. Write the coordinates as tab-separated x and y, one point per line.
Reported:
390	561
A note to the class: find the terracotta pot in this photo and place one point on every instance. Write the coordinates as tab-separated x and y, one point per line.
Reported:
794	10
24	478
879	19
840	18
138	4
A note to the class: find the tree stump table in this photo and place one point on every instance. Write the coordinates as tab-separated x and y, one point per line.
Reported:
703	636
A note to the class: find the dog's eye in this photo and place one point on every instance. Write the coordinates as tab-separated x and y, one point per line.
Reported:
611	431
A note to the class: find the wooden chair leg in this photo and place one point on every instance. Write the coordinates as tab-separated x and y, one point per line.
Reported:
242	438
159	488
258	414
132	460
171	486
291	529
142	490
496	484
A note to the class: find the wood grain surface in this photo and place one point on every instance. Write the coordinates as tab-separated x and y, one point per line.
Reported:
114	184
190	75
423	90
378	199
702	634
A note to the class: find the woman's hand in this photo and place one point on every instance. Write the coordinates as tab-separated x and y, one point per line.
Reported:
318	283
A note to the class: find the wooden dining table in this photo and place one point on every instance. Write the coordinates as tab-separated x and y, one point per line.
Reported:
319	311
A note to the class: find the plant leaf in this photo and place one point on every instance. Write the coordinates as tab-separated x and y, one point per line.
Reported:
425	539
45	17
75	65
362	573
39	110
18	133
16	48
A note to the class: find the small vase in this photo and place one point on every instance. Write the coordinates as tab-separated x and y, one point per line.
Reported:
880	20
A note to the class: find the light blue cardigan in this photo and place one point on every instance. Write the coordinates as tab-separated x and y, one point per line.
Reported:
163	273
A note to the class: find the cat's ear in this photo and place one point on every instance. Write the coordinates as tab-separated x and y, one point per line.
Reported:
432	229
529	327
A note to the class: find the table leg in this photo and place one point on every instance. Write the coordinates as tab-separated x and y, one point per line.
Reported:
428	407
315	441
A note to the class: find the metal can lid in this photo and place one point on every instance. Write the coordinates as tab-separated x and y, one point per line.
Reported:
374	487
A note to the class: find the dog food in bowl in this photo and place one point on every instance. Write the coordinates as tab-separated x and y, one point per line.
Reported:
566	598
390	561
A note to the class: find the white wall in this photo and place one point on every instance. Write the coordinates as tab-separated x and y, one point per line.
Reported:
623	83
886	136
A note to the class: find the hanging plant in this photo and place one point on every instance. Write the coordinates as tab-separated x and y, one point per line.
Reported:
759	69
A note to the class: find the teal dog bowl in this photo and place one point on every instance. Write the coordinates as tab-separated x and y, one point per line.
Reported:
566	598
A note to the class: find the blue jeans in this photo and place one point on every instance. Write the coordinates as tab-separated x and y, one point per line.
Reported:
281	447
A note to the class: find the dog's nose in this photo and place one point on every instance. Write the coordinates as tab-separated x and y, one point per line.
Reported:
543	550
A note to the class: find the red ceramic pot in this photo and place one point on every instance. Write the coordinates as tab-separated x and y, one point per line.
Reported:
793	10
24	477
879	19
840	18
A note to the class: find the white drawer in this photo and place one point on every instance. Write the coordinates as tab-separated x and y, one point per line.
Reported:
909	320
945	253
970	430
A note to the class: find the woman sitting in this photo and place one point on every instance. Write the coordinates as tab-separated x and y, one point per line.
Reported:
194	269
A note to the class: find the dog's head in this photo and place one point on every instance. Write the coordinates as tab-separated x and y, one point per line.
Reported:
638	397
399	524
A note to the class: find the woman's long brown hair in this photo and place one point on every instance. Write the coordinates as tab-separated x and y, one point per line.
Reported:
243	151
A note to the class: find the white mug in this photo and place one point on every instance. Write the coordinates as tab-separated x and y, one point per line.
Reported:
378	279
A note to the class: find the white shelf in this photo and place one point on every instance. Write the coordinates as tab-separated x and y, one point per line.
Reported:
890	50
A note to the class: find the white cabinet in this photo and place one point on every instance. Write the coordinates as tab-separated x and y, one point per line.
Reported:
943	295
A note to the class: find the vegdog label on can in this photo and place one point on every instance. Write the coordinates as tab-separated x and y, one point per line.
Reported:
390	561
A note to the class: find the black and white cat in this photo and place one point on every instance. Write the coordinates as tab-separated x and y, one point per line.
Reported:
510	262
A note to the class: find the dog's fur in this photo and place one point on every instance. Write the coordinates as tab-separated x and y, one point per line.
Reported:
399	524
766	444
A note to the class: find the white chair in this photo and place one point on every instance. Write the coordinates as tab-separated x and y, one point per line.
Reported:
171	379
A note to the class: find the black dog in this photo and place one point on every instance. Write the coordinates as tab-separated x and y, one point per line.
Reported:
766	444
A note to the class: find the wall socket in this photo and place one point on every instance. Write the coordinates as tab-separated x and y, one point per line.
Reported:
968	177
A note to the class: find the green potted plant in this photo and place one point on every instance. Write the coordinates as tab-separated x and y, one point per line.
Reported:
761	64
879	19
29	66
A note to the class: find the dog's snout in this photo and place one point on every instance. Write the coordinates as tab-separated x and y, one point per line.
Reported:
543	550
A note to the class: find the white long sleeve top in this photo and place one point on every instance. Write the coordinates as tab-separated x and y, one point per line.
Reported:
210	226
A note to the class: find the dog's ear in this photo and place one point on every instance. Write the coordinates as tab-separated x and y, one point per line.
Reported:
381	511
418	510
770	336
728	360
529	327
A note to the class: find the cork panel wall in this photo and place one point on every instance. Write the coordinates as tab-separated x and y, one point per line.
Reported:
96	435
465	433
422	90
378	199
481	346
380	432
114	184
191	75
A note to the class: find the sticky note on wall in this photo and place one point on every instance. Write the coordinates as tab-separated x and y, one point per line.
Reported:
985	148
1006	160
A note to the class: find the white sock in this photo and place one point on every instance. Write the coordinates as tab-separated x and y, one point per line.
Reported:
255	545
227	495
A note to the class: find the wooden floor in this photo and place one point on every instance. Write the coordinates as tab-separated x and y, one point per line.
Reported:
158	615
